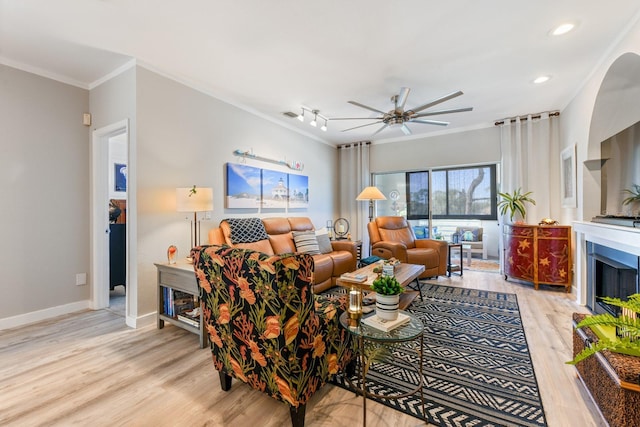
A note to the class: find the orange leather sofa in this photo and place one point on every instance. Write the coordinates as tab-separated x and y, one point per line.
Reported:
328	267
393	237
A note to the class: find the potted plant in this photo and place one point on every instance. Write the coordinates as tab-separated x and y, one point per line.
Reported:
634	195
627	329
513	203
388	290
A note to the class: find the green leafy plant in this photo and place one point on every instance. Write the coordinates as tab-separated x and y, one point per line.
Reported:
513	203
634	193
387	285
628	324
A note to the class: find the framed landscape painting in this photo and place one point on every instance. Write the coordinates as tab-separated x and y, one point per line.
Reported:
568	177
298	191
243	186
275	189
119	177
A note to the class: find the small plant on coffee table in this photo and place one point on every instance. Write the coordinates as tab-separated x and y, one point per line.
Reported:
387	285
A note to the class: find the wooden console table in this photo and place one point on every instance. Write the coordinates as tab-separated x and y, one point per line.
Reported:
613	379
540	254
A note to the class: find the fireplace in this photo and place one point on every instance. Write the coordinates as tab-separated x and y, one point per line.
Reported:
610	273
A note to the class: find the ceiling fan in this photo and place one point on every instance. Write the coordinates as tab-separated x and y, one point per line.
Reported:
400	116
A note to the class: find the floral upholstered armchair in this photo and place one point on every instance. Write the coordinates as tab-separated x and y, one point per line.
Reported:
266	327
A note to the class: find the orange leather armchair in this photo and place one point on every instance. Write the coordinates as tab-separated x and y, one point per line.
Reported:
393	237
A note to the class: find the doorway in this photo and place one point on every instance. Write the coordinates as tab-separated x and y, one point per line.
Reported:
117	207
109	234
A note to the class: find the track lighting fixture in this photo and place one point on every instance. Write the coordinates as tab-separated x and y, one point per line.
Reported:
316	116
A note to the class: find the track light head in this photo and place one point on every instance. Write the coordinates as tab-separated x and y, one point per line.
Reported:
314	122
324	126
301	116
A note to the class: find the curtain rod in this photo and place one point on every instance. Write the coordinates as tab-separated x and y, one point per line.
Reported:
354	144
533	116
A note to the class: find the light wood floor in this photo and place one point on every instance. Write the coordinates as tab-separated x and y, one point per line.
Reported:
89	369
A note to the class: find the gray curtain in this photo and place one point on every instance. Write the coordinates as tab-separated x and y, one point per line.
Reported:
531	161
355	175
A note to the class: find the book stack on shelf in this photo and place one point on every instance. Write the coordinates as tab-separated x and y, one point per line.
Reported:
181	305
191	317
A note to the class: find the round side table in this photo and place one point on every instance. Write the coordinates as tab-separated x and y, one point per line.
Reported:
368	336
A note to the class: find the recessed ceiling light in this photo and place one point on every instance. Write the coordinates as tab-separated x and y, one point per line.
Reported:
541	79
563	29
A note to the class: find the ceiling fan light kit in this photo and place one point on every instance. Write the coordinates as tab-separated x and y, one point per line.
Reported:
398	116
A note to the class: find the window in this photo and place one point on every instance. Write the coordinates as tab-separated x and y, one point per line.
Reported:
418	195
451	193
462	193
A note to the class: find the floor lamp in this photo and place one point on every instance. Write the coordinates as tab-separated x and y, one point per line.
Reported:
371	194
194	199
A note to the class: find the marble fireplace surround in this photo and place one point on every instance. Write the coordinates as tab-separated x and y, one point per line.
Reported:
625	239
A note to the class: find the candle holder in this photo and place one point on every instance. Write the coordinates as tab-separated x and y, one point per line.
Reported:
355	306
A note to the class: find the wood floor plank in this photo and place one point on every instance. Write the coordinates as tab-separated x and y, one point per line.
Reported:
89	368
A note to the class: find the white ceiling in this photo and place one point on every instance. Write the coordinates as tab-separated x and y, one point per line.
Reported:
274	56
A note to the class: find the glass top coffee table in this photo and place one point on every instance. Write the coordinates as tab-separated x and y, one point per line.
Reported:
410	336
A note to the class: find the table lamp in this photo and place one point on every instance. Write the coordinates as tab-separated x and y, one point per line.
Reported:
194	199
371	194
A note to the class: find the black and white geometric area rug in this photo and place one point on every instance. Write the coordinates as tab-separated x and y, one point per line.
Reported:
476	367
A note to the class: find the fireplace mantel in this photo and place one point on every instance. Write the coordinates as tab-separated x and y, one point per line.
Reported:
626	239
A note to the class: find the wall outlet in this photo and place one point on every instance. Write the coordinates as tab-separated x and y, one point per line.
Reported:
81	279
207	215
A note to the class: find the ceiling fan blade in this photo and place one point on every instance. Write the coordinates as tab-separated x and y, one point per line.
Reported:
381	129
402	98
431	122
405	129
437	101
366	107
433	113
355	118
361	126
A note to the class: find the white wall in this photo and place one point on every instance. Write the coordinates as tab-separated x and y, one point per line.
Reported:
474	147
44	187
184	138
480	146
586	124
177	137
577	126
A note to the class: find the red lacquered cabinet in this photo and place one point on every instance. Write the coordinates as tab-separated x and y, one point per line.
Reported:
538	254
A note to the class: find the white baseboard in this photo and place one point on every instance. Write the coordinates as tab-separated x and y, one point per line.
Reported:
142	321
49	313
40	315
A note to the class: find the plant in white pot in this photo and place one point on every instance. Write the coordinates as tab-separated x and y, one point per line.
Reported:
388	290
514	203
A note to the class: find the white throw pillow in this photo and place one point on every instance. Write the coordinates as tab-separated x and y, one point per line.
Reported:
306	242
324	243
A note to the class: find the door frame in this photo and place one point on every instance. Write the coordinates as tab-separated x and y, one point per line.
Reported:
100	213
